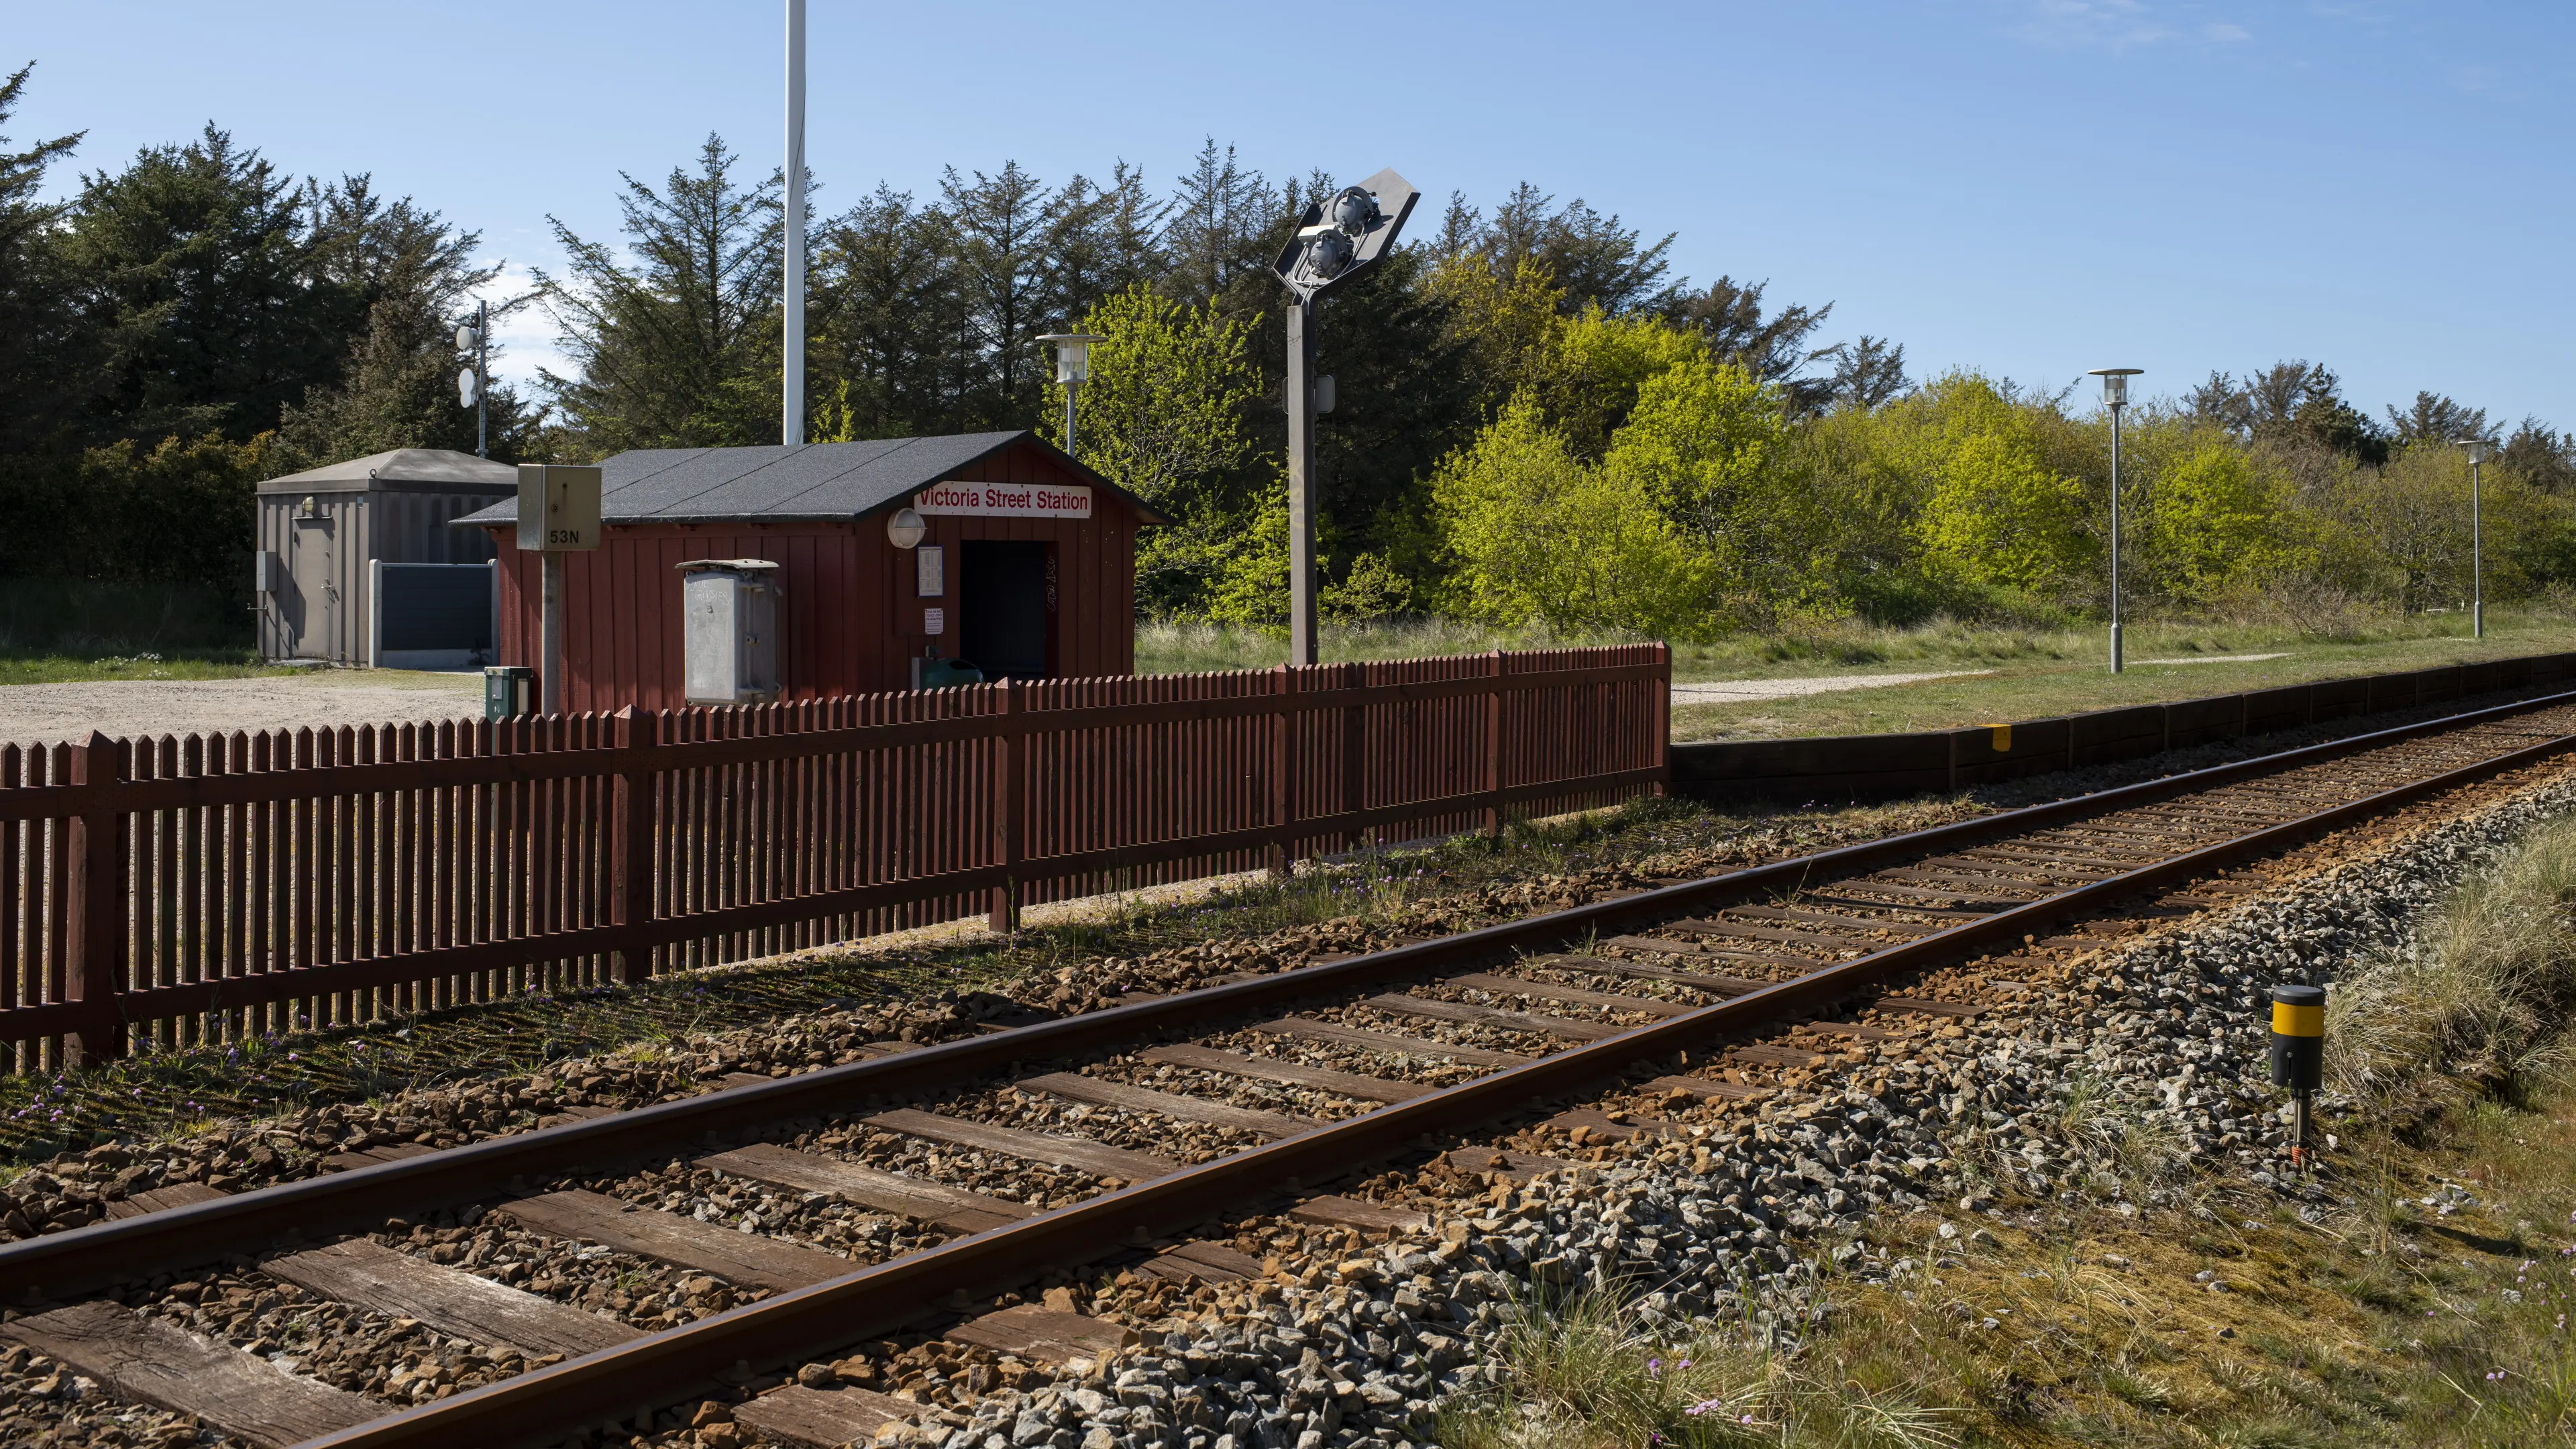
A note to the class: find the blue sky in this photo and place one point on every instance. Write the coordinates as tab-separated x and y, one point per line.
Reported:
2030	187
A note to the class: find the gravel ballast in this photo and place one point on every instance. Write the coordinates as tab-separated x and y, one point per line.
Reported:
1733	1226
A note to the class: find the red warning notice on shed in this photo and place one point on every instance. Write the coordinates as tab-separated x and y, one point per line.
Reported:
1005	500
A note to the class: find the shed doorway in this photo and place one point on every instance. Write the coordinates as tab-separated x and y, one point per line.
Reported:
315	621
1003	614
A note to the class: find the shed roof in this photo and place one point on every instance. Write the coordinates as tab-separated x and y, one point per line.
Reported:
432	467
812	481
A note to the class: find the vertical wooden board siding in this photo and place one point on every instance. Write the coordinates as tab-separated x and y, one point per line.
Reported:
849	622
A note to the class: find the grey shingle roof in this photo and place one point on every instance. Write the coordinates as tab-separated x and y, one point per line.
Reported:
780	484
433	467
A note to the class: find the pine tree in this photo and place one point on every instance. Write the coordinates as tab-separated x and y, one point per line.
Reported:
1869	373
1220	218
1099	242
1774	348
2542	456
41	337
197	267
887	299
999	224
682	349
2438	420
398	387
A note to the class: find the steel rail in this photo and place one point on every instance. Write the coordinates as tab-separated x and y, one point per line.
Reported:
679	1364
85	1259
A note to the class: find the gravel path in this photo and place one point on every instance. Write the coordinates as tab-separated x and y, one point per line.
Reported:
45	713
1741	691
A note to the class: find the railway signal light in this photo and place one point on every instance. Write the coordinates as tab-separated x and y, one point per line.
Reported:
1338	240
2298	1055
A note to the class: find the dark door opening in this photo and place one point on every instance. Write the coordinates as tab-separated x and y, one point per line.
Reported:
1002	624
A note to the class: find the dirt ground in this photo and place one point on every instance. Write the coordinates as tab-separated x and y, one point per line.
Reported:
1739	691
45	713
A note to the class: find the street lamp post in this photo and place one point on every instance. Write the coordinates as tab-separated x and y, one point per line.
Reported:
1072	370
2477	545
1337	239
2115	396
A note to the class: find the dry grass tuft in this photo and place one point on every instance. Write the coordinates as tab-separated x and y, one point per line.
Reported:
2479	1002
1585	1374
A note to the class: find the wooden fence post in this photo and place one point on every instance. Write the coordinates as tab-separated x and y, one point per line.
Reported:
96	929
1008	841
1354	753
1494	743
1663	726
630	843
1283	755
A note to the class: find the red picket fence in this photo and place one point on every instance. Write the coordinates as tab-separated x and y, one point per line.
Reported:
170	891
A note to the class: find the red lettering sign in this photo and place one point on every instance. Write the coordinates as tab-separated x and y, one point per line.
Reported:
1004	500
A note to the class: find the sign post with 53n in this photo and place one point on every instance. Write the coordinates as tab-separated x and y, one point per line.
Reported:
558	514
564	500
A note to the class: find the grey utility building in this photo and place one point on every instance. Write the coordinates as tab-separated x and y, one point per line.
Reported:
357	564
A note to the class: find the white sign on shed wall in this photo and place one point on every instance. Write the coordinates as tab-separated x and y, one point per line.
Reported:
1004	500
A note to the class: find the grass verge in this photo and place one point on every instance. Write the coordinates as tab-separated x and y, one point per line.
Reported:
68	666
2022	673
2424	1301
2040	687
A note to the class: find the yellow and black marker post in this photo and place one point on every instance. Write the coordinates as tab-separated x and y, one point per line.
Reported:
2299	1055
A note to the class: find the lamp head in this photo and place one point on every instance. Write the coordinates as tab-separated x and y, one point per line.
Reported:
2115	384
2479	451
1073	355
905	529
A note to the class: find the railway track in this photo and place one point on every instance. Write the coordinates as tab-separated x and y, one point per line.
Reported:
1703	990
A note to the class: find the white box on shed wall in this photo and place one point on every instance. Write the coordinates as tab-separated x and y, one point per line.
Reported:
729	630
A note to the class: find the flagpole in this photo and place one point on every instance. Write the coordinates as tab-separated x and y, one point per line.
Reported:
791	428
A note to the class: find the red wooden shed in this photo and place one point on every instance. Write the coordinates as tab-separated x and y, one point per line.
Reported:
1033	573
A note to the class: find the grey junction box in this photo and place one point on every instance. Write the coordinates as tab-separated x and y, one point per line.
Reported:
729	630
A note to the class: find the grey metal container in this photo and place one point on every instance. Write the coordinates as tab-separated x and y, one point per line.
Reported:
729	630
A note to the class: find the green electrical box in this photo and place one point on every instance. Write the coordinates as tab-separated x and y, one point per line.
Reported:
508	690
948	673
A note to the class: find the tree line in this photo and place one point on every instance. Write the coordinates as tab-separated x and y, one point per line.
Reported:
1537	420
178	329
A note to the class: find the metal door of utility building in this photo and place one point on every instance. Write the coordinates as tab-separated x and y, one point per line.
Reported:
316	622
1005	608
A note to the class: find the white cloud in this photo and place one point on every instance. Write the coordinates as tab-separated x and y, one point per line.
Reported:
524	338
2118	24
